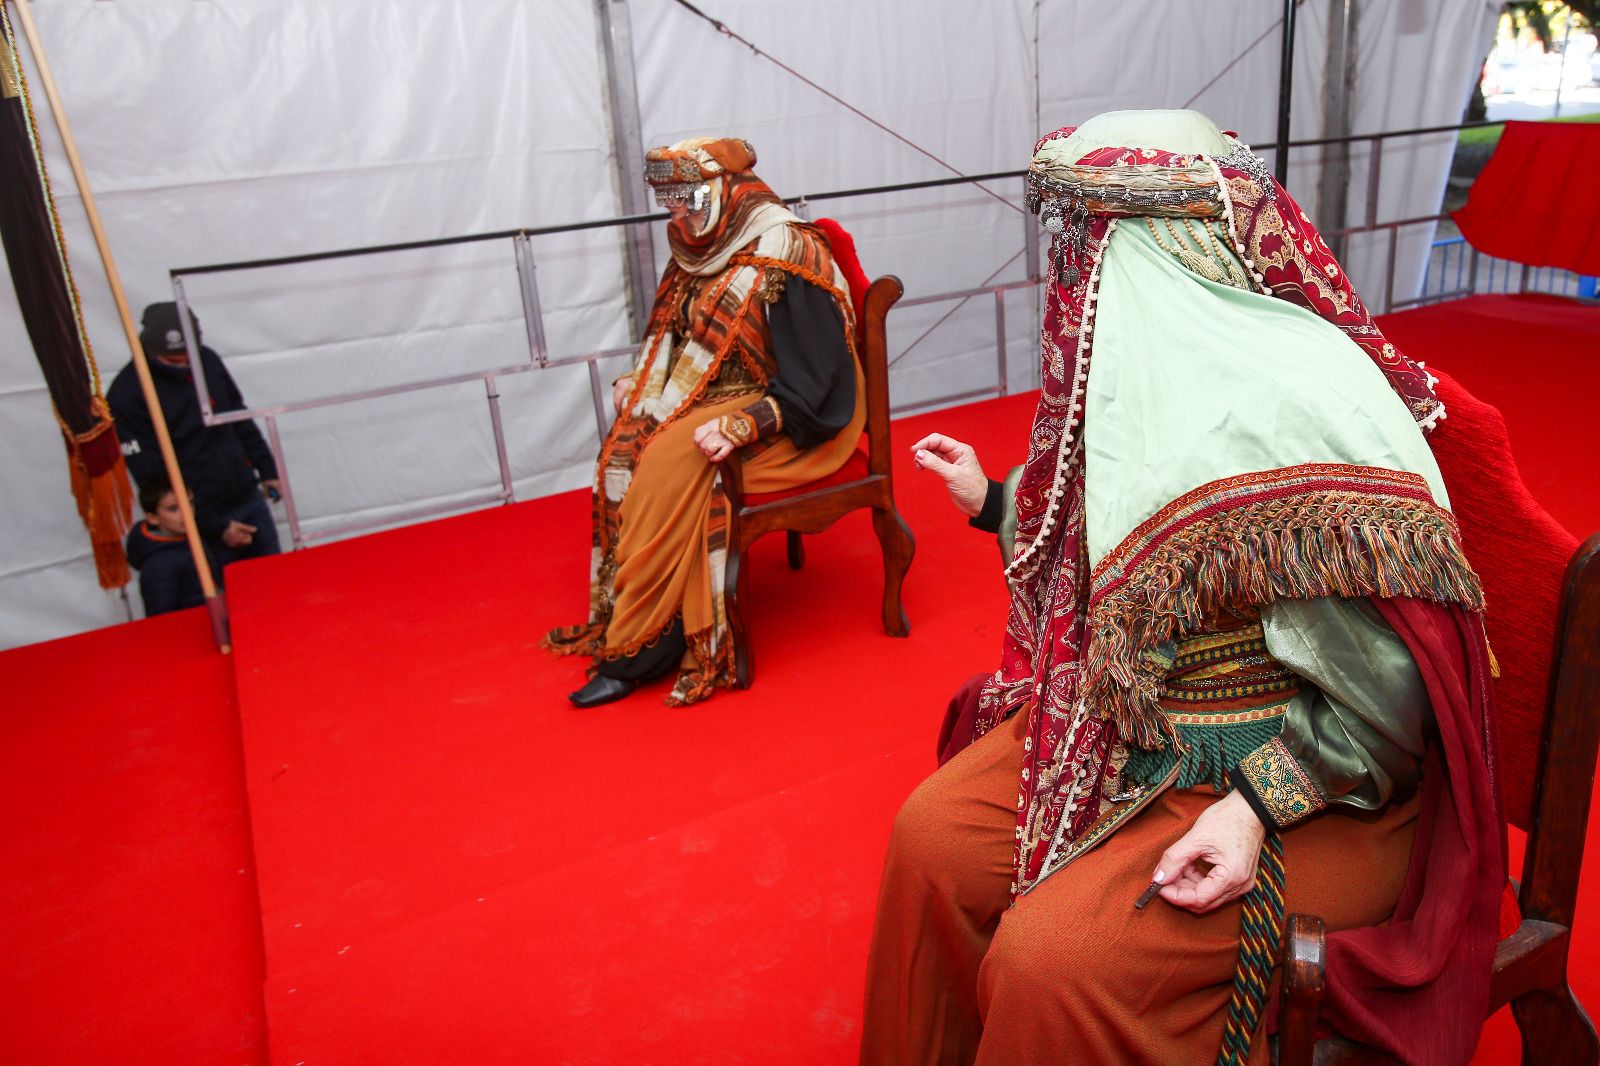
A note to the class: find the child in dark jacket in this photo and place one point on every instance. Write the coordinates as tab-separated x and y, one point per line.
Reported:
159	550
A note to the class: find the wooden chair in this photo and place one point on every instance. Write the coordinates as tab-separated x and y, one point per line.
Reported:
864	481
1548	744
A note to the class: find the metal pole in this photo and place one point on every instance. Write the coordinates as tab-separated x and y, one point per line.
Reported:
598	395
1374	181
191	344
532	313
1388	289
1000	339
291	512
1561	75
627	140
1030	238
1333	187
1285	92
216	606
490	386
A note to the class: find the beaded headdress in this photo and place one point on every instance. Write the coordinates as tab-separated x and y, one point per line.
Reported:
1067	192
679	173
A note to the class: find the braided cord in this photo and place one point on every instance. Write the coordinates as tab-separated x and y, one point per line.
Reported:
1260	932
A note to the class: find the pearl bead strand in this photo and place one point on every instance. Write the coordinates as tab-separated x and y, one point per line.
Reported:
1080	381
1233	230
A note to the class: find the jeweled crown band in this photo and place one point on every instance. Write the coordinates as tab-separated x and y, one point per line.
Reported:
1173	192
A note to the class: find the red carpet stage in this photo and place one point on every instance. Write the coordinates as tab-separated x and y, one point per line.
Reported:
454	866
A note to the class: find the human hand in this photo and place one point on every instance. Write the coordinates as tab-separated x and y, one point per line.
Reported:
957	466
1215	861
619	393
709	439
273	488
238	534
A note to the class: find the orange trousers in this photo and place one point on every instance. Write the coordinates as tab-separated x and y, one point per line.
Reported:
1073	973
664	566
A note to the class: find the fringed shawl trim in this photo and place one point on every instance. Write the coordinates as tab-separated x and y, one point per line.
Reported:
1300	532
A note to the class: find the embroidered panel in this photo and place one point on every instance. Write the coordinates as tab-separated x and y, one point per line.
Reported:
1282	785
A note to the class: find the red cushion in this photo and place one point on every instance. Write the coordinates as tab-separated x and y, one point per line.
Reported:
854	469
843	247
1521	554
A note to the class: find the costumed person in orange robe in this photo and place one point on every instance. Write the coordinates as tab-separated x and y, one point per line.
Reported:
749	357
1244	671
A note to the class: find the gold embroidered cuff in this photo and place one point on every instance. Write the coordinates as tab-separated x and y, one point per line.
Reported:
1278	785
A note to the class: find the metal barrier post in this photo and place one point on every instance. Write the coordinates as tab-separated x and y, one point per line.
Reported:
532	317
296	535
1522	281
490	386
1472	271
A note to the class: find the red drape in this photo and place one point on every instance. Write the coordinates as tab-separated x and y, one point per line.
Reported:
1534	202
1418	987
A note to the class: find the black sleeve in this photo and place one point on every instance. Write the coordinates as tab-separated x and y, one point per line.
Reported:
227	397
158	585
994	509
135	430
815	386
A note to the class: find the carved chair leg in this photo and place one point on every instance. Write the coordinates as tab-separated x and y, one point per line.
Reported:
732	586
797	551
1555	1028
899	546
1300	995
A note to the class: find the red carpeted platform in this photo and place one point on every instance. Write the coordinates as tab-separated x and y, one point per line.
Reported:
456	867
444	841
127	909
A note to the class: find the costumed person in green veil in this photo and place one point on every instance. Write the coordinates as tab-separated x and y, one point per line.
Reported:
1244	671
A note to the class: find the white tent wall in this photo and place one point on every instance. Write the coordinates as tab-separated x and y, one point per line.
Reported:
239	129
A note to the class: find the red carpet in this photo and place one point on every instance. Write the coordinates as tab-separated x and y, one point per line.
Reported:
456	867
420	790
127	910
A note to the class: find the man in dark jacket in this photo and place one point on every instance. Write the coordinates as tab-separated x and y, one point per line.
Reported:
227	467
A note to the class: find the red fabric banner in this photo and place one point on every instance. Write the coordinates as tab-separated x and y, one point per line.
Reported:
1533	203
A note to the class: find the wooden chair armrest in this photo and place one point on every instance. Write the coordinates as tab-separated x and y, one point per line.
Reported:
1300	996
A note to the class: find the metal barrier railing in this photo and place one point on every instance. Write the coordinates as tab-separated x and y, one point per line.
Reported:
539	357
1457	269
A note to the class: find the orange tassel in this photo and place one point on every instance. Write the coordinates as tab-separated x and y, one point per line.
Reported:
105	504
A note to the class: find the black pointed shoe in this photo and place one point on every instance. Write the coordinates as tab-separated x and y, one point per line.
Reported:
602	689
